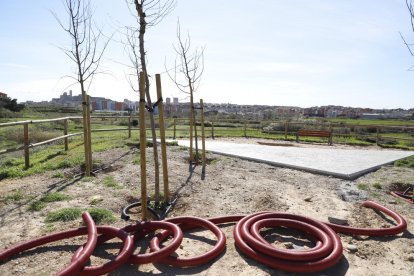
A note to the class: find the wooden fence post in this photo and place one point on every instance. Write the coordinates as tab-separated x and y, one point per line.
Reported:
378	136
65	132
162	135
245	128
129	125
175	128
142	146
331	131
212	129
260	126
26	146
286	129
203	138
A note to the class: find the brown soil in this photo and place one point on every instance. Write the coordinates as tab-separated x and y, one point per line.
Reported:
230	186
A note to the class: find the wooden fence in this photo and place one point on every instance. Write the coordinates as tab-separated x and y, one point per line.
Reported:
219	127
26	135
287	130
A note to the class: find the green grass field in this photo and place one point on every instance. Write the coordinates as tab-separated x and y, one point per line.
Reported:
53	157
374	122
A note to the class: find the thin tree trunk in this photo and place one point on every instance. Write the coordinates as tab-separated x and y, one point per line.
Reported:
142	29
85	133
86	127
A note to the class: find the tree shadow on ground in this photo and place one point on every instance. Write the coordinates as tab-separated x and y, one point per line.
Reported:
338	269
43	249
51	156
128	269
58	186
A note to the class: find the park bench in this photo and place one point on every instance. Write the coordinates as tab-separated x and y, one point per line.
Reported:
315	133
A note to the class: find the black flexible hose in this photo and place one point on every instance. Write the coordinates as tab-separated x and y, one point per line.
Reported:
126	217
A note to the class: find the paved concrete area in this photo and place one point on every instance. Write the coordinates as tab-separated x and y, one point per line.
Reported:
341	163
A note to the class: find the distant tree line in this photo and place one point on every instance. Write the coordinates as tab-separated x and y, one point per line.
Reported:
10	104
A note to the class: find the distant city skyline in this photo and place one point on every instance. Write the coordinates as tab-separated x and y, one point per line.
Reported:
282	53
76	100
257	112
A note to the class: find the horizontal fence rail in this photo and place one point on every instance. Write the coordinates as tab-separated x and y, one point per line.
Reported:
27	145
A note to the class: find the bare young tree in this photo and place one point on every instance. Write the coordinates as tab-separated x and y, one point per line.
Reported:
188	70
86	52
409	45
410	7
148	14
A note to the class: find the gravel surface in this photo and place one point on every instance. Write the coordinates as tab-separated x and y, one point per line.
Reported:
229	186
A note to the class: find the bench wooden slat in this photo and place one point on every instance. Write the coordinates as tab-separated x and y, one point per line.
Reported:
315	133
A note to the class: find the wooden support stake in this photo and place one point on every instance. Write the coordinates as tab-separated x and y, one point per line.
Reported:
175	129
203	137
142	145
195	138
129	125
191	136
245	128
85	135
163	143
212	129
26	146
65	132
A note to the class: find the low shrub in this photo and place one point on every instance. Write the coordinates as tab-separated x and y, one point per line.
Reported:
65	214
101	215
14	196
52	197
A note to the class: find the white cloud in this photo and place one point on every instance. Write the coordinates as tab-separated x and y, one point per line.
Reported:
15	65
33	90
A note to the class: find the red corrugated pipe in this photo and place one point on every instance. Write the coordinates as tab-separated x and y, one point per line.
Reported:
326	253
400	227
108	232
191	222
84	255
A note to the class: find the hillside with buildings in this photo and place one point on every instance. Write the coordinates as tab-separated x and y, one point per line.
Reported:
174	108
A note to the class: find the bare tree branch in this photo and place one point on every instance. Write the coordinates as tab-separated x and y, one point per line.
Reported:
190	68
88	46
409	46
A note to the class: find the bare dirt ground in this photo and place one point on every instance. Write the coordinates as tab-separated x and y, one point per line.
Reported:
230	186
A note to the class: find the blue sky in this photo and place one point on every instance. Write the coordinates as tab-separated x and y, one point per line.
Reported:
297	52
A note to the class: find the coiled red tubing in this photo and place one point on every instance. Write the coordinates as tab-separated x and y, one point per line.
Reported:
326	253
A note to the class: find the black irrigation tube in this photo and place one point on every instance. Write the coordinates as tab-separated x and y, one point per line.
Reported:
156	215
126	217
